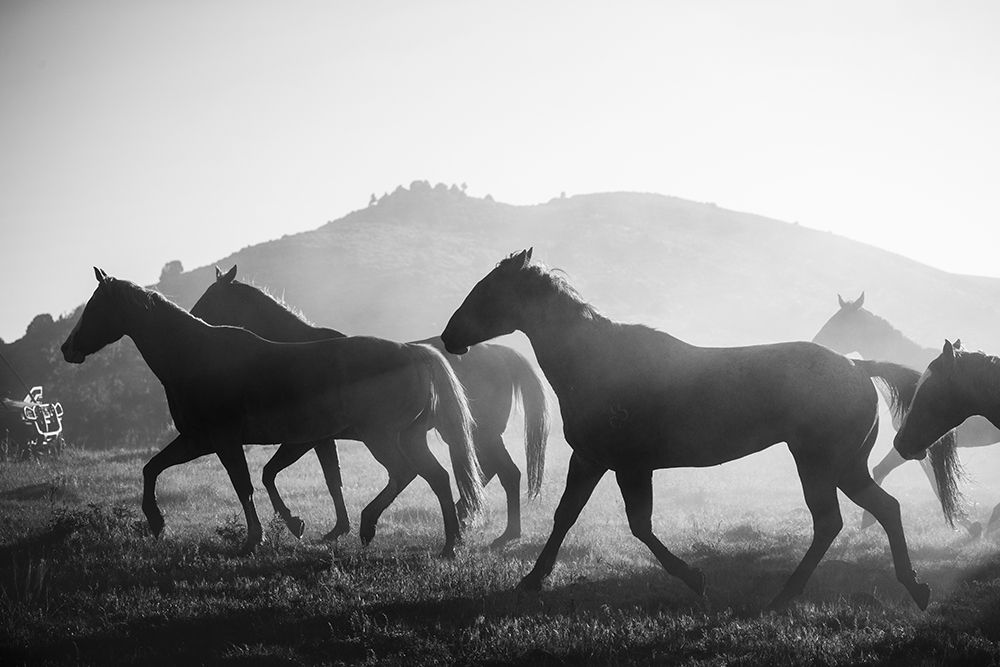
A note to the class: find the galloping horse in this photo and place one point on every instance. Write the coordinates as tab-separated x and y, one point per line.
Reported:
634	399
491	377
955	386
853	328
227	387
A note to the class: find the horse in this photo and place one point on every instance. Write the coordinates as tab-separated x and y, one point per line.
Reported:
227	387
492	378
853	328
956	385
634	399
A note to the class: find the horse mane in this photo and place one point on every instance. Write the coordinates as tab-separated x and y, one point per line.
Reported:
891	331
543	281
143	298
262	291
981	369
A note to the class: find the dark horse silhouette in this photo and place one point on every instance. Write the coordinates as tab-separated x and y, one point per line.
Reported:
226	386
634	400
854	328
491	377
956	385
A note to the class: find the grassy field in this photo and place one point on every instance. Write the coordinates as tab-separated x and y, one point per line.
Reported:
84	583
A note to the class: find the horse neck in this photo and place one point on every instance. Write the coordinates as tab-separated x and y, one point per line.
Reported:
164	335
983	385
283	325
561	336
890	344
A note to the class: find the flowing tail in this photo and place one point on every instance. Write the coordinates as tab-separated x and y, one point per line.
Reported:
451	416
530	391
898	385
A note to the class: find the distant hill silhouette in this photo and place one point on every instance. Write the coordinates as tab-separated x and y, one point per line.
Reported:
399	267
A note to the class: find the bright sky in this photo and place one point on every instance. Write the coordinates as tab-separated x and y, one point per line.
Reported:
133	133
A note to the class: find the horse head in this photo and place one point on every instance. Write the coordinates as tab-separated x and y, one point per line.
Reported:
489	309
937	405
100	324
840	333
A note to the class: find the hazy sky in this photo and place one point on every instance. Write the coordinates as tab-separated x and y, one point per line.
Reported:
133	133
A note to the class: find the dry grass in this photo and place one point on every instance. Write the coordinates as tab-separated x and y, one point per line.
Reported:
84	583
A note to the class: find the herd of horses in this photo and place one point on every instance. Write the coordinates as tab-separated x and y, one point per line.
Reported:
242	368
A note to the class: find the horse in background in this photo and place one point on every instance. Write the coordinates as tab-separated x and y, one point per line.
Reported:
853	328
227	387
634	399
956	385
493	377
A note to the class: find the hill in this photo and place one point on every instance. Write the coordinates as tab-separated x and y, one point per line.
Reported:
400	267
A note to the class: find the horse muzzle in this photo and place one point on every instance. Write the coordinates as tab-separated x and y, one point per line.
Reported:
71	355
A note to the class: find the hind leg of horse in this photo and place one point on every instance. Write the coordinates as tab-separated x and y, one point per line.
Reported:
580	482
863	491
385	449
889	462
329	461
287	454
637	492
820	493
181	449
235	461
425	465
510	479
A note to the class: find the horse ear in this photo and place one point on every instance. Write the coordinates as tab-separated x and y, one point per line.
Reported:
841	301
218	272
527	257
948	352
101	276
958	344
226	277
860	302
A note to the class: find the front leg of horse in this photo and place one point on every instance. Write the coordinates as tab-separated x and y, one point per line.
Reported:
180	450
230	452
286	455
329	461
637	492
580	482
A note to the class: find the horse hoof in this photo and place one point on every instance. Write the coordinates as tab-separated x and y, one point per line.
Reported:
502	541
366	537
297	526
975	530
695	580
921	595
448	553
529	584
156	524
336	533
249	547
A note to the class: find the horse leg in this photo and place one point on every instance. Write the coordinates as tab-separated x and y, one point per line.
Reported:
862	490
287	454
329	461
233	459
820	493
181	449
385	449
889	462
510	480
637	492
580	482
424	464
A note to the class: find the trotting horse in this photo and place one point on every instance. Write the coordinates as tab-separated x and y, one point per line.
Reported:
956	385
227	387
634	399
853	328
492	377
